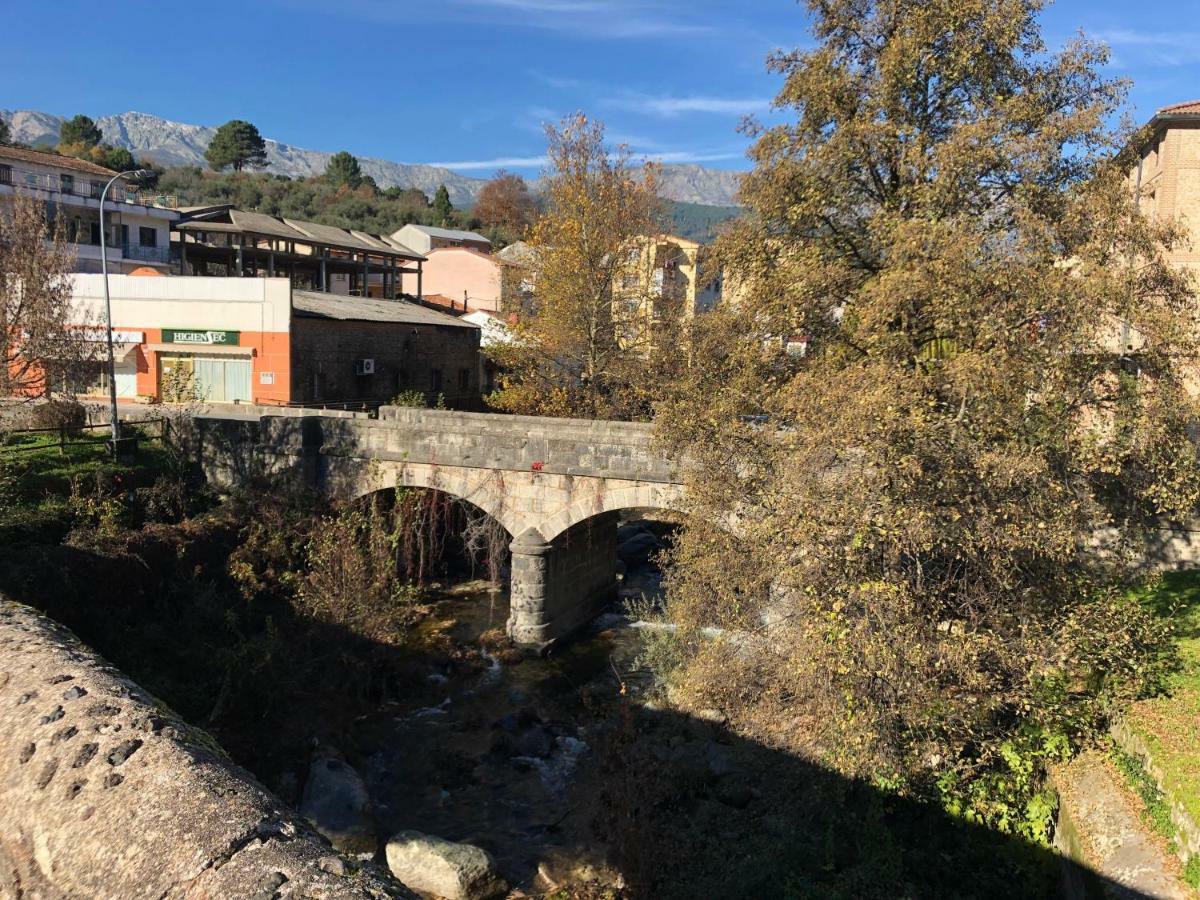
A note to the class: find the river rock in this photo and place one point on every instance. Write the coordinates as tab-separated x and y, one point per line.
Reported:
336	802
443	868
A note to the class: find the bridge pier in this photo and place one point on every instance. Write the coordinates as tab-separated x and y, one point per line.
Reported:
559	586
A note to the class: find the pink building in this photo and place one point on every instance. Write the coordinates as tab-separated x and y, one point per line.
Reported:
464	275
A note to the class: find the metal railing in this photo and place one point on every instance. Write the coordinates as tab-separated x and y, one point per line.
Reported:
146	254
86	188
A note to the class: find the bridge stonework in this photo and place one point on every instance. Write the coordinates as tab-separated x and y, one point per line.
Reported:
556	485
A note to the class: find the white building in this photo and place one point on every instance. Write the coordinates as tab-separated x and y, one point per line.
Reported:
138	226
424	238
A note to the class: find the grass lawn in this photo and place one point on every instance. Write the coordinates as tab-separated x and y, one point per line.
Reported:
36	477
1170	724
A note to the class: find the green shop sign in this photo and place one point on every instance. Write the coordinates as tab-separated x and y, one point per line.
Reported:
201	338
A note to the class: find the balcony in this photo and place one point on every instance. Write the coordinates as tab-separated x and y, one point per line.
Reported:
87	188
147	254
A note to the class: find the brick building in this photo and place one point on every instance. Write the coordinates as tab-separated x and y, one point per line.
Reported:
1167	178
258	340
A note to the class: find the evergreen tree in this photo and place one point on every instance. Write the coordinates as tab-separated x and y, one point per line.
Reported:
238	144
443	209
5	133
343	168
80	132
117	158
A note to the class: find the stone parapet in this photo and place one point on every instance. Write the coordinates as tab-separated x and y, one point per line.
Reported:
106	793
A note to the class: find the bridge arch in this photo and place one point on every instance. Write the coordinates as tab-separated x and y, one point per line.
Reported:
616	498
484	489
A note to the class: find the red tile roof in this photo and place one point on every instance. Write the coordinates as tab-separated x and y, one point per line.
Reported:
53	159
1192	107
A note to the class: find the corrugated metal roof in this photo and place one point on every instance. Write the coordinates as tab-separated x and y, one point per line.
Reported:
240	220
448	233
260	223
330	234
369	309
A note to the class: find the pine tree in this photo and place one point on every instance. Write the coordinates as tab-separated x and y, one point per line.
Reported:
343	168
80	132
443	209
238	144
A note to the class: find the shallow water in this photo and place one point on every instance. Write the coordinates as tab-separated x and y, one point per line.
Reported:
495	752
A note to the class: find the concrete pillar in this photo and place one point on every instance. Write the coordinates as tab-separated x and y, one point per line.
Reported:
559	586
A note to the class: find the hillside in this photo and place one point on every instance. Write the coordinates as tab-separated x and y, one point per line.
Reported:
176	143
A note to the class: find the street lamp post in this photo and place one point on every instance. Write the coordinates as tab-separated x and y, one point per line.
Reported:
112	365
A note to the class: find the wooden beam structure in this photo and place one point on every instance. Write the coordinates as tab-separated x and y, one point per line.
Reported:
254	244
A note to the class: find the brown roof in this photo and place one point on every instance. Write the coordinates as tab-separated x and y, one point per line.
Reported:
53	159
1192	107
320	305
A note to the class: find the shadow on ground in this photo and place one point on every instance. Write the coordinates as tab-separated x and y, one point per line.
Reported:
682	807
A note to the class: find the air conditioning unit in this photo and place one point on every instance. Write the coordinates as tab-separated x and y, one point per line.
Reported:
364	367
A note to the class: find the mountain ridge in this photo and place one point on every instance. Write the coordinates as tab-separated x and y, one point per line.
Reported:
171	143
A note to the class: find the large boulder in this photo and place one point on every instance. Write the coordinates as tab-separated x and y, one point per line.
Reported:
443	868
336	802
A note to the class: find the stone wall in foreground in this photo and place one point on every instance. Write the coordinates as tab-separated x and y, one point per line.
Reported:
106	793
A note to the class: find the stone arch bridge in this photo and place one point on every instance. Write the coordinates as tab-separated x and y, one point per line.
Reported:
556	485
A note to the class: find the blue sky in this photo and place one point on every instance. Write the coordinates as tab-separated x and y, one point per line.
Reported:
469	83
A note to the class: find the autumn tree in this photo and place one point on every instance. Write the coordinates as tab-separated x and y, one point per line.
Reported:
236	144
898	521
343	168
596	337
505	202
42	348
443	209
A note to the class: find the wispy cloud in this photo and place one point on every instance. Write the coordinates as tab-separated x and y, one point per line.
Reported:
537	162
592	18
500	162
1164	48
669	106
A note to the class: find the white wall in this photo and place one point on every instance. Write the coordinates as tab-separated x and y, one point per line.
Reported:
233	304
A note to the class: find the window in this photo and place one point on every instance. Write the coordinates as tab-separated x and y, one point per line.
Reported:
148	237
5	173
66	183
124	235
464	379
95	233
97	187
436	379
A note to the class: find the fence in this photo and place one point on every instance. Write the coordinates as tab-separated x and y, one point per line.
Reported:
70	435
